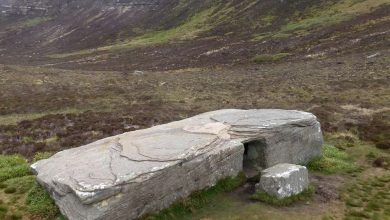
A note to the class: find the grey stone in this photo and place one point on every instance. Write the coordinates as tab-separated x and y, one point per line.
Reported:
283	180
144	171
373	55
138	73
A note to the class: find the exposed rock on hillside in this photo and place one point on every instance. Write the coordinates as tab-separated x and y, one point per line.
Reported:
129	175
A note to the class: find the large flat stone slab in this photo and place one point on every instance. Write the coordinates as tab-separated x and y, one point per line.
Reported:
135	173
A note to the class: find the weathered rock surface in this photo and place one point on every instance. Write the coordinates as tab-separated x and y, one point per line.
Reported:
129	175
283	180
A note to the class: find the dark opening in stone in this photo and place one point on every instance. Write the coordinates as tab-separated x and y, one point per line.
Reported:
254	157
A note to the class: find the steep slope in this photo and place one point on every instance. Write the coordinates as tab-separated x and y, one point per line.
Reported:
166	34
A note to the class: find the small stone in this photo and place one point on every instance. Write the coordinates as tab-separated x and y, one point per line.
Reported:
138	73
373	55
283	180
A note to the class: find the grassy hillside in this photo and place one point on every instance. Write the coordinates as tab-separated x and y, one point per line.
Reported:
188	33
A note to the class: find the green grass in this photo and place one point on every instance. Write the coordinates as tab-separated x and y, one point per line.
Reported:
198	200
29	22
20	187
14	119
333	161
269	57
343	140
11	160
189	29
14	171
272	200
368	202
38	201
354	203
34	21
324	15
21	184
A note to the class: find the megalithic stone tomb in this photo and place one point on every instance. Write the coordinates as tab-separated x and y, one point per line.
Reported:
132	174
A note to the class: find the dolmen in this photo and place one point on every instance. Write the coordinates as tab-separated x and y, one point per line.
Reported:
140	172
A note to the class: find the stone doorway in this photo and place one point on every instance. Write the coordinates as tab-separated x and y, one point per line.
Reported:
254	157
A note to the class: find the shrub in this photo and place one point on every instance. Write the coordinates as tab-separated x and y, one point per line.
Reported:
27	140
383	162
3	211
15	216
3	208
42	155
10	190
371	155
384	144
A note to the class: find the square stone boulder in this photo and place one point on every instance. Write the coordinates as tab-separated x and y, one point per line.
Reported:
283	180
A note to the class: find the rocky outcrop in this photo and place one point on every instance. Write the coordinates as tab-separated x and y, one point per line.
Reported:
129	175
283	180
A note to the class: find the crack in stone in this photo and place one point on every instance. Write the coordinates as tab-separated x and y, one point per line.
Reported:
216	141
97	178
115	150
151	160
144	155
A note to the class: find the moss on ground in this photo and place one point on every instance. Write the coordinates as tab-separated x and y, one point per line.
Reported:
272	200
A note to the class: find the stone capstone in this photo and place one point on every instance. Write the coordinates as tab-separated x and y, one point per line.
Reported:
132	174
283	180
